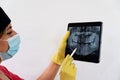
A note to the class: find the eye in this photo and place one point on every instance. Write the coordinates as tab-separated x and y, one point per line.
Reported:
9	33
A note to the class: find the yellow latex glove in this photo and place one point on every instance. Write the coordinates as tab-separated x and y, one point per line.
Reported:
68	70
60	54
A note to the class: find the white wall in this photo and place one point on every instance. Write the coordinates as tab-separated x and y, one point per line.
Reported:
41	25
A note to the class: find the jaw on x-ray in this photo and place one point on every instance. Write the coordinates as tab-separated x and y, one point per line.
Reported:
86	39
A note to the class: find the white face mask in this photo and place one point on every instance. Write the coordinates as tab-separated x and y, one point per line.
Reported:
14	43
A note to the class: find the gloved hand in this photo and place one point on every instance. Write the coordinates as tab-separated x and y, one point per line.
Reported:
68	70
60	54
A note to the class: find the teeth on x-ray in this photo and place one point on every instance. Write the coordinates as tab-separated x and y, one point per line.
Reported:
85	39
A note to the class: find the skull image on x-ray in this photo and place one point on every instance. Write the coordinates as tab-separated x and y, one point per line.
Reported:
85	39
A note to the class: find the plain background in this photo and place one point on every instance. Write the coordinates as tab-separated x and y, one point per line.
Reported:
42	24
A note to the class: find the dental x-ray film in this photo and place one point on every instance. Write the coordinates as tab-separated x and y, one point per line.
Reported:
86	37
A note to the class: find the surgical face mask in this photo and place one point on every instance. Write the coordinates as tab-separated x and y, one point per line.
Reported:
13	43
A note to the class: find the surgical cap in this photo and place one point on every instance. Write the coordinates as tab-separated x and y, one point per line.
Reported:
4	20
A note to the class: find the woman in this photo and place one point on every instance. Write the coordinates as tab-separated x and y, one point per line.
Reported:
9	45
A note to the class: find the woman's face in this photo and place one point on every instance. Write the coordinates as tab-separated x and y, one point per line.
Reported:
7	33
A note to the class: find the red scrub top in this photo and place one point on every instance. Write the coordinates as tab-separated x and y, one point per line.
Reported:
10	75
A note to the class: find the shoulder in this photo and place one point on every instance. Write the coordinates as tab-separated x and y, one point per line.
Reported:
3	76
2	68
9	74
